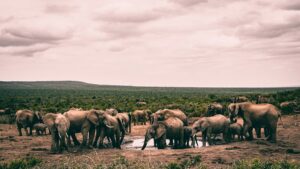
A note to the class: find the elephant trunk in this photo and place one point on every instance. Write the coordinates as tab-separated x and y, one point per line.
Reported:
145	143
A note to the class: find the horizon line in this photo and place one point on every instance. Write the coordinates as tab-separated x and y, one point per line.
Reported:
246	87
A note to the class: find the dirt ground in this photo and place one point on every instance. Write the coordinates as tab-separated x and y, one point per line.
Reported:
13	147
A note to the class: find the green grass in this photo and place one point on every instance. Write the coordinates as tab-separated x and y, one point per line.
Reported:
24	163
265	164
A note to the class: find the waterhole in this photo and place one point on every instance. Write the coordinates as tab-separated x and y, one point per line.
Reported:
136	143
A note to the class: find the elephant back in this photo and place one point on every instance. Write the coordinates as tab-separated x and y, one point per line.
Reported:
25	117
168	113
174	127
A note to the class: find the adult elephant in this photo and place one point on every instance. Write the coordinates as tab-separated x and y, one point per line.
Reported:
126	120
111	127
256	116
214	108
161	115
171	128
288	106
240	99
262	99
58	125
84	122
212	125
26	119
139	116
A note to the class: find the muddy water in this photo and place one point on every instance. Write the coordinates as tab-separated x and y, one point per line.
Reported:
136	143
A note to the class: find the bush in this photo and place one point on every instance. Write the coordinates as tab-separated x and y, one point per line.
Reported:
24	163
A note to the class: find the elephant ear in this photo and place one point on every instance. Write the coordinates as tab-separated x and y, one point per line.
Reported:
160	131
93	117
237	109
38	116
204	125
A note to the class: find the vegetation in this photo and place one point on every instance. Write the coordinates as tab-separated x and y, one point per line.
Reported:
62	95
267	164
24	163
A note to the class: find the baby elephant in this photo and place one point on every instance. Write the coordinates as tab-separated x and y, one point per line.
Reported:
187	136
236	129
40	128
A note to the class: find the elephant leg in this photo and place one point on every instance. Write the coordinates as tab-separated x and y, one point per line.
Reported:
258	132
250	131
97	137
266	132
26	131
76	142
91	137
204	136
30	131
118	140
54	144
246	129
102	135
273	132
171	142
19	129
84	133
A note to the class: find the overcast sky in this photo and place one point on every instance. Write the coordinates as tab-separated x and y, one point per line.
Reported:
197	43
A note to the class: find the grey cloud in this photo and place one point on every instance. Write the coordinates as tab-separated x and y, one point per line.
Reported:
270	30
58	9
23	40
291	5
25	51
188	2
129	17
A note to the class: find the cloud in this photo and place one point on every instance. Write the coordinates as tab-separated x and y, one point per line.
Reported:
187	3
20	34
58	9
26	51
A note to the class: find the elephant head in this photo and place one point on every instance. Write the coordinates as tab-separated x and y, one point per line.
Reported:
38	117
98	117
156	132
200	125
233	110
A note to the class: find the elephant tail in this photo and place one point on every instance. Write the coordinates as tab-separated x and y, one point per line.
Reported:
121	127
279	116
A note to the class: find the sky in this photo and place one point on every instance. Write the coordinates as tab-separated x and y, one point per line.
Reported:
187	43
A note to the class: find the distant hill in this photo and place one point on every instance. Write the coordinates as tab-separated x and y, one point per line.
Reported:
77	85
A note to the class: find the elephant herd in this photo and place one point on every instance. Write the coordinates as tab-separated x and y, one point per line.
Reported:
172	124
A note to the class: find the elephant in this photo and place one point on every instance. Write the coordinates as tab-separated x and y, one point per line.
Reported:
212	125
262	99
171	128
112	111
187	136
288	106
161	115
126	120
214	108
84	122
256	116
236	129
139	116
111	127
240	99
27	118
59	125
40	128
